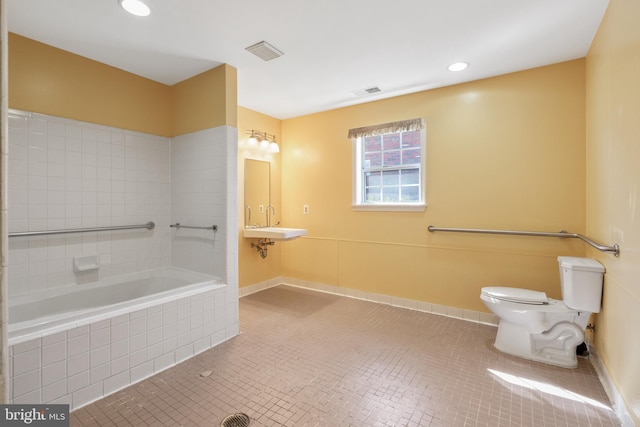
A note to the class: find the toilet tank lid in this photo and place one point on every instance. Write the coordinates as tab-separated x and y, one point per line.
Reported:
583	264
525	296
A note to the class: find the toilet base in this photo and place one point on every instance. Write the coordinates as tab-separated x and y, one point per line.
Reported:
557	346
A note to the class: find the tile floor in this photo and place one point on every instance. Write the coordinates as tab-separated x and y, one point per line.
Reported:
305	358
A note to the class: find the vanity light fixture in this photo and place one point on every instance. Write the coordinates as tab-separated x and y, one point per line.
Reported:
253	139
263	141
458	66
135	7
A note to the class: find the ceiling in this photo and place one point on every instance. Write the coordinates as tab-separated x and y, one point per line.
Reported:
332	48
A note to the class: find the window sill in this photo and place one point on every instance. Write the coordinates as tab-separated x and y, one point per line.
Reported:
391	207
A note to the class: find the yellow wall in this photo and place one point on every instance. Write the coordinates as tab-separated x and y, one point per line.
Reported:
205	101
51	81
48	80
506	152
613	188
252	268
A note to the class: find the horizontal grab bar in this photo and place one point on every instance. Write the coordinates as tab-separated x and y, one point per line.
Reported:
149	226
615	249
177	225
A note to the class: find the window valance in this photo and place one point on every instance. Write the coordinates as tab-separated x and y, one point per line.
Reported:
401	126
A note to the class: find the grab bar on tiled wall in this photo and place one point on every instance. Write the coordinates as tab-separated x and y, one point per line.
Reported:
149	226
178	226
615	249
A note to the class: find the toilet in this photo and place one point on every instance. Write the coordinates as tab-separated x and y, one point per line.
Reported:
535	327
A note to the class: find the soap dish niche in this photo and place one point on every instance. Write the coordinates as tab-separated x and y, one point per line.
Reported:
86	263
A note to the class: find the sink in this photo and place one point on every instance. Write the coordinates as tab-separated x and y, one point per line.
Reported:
274	233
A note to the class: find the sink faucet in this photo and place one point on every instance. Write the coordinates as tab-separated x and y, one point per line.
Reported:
270	208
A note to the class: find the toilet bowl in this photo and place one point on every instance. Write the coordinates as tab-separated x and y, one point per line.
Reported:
535	327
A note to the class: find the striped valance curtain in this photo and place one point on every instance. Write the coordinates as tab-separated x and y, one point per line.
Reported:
401	126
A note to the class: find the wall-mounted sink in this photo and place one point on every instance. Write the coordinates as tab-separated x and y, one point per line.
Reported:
274	233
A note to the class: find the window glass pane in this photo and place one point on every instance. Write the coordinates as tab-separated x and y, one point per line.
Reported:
372	160
372	194
411	139
372	143
390	177
410	176
390	194
410	193
391	158
411	156
372	178
391	141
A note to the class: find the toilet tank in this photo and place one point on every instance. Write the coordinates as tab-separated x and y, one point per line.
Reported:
581	281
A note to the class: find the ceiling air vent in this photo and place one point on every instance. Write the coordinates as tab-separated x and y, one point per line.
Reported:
265	51
368	91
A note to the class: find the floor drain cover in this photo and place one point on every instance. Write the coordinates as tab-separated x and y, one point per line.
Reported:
236	420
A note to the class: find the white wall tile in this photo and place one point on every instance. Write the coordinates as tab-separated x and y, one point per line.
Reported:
120	364
53	353
116	382
163	362
26	383
100	338
100	355
78	381
67	170
78	345
100	372
54	372
78	364
54	391
87	395
142	371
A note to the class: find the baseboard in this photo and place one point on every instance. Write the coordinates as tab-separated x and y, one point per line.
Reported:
441	310
610	388
260	286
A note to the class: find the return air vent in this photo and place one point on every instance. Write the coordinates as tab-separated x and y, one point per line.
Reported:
265	51
367	91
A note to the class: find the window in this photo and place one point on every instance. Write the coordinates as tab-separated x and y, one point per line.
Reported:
389	164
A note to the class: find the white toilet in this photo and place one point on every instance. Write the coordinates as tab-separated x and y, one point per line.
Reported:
538	328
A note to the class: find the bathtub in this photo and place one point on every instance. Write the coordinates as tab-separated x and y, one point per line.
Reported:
82	342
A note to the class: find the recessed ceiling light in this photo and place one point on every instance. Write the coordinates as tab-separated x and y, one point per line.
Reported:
135	7
458	66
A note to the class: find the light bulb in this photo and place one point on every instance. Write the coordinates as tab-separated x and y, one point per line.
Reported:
274	148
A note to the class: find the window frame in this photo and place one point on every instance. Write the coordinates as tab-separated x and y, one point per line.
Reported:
358	204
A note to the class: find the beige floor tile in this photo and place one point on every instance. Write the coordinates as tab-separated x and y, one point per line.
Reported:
306	358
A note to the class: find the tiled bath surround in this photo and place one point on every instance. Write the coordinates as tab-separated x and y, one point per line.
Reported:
83	364
69	174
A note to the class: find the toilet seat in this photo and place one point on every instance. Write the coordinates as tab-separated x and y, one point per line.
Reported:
516	295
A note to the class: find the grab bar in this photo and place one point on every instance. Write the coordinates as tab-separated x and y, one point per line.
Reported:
178	226
149	226
615	249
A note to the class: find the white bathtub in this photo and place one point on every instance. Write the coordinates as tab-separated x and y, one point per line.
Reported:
82	342
48	312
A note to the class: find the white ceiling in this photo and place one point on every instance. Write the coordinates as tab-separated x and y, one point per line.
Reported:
332	47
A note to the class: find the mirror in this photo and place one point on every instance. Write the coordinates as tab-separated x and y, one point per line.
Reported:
256	192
